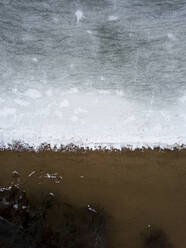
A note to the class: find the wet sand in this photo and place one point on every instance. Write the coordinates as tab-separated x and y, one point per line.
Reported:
136	189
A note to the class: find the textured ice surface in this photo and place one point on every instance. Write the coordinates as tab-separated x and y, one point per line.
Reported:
90	118
93	72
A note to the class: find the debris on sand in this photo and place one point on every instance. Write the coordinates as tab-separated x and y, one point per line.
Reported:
155	238
52	224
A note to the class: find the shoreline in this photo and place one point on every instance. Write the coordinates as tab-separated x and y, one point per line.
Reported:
19	146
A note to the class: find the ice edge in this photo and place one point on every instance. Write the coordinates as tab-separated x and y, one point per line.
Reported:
22	146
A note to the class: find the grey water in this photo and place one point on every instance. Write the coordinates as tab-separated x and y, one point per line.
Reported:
137	46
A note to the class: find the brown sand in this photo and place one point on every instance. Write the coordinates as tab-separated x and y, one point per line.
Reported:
135	188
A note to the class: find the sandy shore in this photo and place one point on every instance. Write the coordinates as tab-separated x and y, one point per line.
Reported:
136	188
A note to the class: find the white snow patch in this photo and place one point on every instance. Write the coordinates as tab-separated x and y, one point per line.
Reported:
182	99
21	102
73	90
15	90
113	18
58	113
55	20
34	59
80	111
119	93
32	93
74	118
89	31
1	100
64	103
93	118
7	111
49	92
171	36
104	92
79	15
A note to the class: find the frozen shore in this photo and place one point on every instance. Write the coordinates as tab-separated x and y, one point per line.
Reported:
89	119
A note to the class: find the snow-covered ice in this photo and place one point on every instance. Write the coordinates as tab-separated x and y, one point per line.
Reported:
93	73
32	93
79	15
96	118
113	18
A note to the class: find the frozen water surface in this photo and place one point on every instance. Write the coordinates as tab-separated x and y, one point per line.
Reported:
93	72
